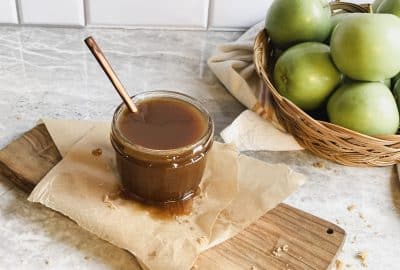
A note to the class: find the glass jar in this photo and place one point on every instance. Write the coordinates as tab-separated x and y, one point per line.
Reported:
160	176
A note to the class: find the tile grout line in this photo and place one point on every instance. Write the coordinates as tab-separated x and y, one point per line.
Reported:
85	12
209	10
19	11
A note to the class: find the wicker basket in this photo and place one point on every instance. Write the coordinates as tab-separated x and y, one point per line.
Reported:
324	139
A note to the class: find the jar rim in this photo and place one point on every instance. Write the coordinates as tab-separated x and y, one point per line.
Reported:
204	139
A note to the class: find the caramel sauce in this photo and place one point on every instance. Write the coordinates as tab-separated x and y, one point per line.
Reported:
168	211
163	123
164	178
165	211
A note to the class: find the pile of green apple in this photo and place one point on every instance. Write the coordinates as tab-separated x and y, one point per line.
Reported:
345	63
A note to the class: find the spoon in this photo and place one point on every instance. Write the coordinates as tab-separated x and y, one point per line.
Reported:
112	76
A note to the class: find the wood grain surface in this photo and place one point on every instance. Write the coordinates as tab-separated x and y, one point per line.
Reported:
285	238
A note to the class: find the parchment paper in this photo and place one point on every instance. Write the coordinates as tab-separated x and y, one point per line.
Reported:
250	132
236	191
65	133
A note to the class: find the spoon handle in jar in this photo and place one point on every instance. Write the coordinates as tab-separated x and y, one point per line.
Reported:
105	65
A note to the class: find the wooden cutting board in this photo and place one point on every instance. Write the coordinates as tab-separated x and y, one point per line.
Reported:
284	238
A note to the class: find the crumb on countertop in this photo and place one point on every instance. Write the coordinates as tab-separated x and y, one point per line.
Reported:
362	256
109	202
351	207
178	219
97	152
339	264
277	252
152	254
202	240
318	165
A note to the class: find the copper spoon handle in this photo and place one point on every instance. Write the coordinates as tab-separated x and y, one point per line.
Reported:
102	60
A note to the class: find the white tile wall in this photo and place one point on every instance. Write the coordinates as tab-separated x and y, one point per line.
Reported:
165	13
53	12
8	11
197	14
237	13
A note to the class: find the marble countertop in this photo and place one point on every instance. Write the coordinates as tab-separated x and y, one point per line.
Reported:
49	73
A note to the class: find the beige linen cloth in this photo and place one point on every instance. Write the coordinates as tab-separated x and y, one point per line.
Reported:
233	64
236	190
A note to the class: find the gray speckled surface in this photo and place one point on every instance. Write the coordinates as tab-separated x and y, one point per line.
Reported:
49	73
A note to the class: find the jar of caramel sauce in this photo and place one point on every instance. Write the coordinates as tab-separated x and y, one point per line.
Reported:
161	150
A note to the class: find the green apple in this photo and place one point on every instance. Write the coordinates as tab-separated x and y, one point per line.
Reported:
306	75
376	4
366	47
289	22
365	107
338	18
389	6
